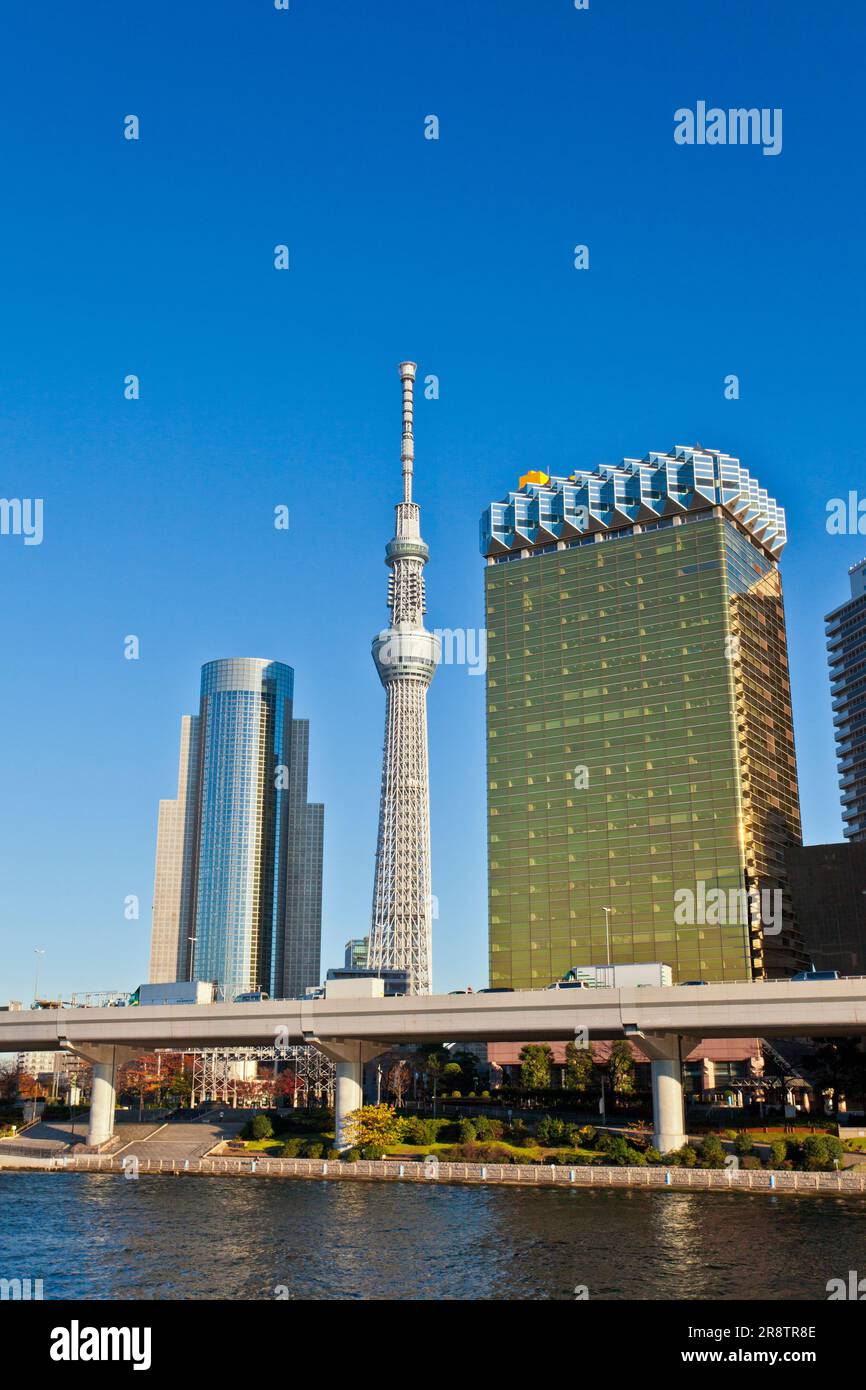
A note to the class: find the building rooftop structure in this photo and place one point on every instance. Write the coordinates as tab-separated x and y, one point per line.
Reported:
637	494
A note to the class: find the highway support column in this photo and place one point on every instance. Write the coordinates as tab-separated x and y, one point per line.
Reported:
106	1060
349	1058
666	1052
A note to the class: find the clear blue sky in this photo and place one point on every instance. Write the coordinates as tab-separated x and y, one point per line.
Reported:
259	387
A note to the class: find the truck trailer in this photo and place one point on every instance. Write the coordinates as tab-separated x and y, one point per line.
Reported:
176	992
617	976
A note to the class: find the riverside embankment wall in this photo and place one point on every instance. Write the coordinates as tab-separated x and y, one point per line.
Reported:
505	1174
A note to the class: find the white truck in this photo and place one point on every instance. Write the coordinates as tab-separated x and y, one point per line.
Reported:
175	992
615	976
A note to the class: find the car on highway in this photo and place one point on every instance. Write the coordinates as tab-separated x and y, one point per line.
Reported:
806	975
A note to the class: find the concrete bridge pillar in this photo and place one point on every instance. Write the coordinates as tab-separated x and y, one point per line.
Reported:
106	1061
666	1052
349	1058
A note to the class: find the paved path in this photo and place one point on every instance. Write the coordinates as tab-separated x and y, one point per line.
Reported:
56	1136
185	1139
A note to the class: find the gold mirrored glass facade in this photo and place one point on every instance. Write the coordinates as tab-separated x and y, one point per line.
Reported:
640	748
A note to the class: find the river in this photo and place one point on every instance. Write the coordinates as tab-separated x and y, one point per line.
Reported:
95	1236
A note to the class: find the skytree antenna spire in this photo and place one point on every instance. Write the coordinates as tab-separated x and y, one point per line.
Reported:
407	450
406	655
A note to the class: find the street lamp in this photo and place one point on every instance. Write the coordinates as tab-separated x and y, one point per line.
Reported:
38	953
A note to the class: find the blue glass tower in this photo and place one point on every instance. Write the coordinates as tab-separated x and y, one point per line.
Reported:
239	857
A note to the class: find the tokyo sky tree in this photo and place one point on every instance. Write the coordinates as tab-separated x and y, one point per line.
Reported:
406	656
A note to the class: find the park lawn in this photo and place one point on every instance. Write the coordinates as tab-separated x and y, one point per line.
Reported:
418	1150
768	1136
274	1145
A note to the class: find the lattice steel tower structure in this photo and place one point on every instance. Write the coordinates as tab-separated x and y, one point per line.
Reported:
406	656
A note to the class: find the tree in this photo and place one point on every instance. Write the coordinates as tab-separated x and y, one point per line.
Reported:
371	1125
261	1127
621	1068
398	1082
8	1081
139	1078
536	1060
434	1066
578	1072
712	1153
288	1086
180	1087
30	1087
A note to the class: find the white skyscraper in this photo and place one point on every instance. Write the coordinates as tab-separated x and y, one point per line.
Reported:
406	656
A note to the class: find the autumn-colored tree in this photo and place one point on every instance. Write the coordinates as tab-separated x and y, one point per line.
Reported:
289	1087
371	1125
30	1087
140	1078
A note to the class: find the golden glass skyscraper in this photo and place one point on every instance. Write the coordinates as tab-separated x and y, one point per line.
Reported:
642	777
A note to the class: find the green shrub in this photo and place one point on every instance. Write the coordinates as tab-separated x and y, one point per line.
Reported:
553	1131
372	1152
751	1161
414	1130
350	1155
312	1148
291	1148
686	1157
487	1129
778	1153
620	1154
466	1130
835	1147
712	1153
743	1144
730	1134
818	1152
587	1135
261	1127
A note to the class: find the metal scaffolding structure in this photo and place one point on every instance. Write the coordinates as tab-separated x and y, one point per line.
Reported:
406	655
218	1071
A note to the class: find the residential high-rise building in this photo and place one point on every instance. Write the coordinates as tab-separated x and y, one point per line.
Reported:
238	886
642	778
846	647
405	654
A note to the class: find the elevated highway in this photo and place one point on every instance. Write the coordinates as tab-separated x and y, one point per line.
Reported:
666	1022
